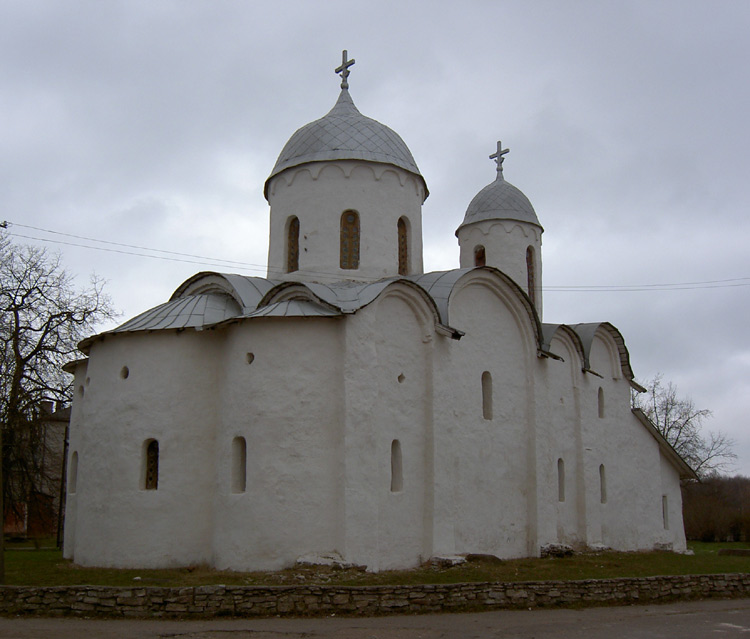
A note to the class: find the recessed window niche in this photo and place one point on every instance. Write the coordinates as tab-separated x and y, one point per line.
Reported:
73	474
560	480
397	471
239	465
124	372
150	465
487	395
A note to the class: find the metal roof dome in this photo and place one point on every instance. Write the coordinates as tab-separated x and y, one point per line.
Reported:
345	134
500	200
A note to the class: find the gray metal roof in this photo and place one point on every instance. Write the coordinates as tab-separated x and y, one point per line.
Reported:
587	332
439	285
208	299
346	297
191	311
245	290
500	200
345	134
294	308
550	330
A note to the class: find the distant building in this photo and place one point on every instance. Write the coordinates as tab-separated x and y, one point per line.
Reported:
350	404
37	512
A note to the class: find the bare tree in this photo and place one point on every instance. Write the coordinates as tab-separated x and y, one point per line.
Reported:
681	423
42	318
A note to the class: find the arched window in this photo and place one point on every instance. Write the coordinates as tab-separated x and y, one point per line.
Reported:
292	245
403	247
73	475
531	273
487	395
560	480
349	240
239	465
150	472
602	484
600	402
397	472
480	258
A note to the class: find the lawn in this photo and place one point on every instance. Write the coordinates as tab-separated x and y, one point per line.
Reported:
46	567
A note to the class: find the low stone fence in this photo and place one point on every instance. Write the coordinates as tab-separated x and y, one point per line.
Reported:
255	601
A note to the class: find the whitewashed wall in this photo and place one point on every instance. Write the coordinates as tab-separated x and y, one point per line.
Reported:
318	193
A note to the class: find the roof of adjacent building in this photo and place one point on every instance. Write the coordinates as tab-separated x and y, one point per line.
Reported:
345	134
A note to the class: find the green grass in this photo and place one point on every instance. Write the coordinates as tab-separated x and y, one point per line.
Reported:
46	567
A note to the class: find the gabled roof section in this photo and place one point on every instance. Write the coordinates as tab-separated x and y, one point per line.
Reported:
345	297
190	311
441	284
686	472
587	332
245	290
294	308
550	330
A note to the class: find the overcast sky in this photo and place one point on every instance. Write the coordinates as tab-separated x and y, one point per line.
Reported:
154	124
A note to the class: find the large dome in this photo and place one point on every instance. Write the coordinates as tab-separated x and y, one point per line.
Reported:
345	134
500	200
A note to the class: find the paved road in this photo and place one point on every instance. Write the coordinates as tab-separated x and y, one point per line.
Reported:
689	620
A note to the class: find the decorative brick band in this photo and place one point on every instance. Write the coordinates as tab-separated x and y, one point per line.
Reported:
256	601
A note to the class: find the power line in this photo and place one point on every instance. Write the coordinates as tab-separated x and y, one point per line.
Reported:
132	246
248	266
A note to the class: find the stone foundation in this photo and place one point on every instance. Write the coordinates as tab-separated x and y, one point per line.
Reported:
256	601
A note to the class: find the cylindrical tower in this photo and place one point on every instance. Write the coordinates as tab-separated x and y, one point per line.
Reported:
501	229
346	201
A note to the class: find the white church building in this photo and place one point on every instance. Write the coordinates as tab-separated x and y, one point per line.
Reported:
351	404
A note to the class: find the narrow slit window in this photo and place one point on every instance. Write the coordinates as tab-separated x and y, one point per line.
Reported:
150	474
292	246
531	273
487	395
349	240
560	480
73	481
239	465
480	256
403	247
397	471
600	402
665	511
602	484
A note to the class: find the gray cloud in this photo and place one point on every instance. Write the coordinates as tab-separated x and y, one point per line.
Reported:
155	124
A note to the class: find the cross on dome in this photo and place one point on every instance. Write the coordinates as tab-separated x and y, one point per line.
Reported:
344	69
498	156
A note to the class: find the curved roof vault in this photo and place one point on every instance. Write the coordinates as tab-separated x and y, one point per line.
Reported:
550	330
209	299
247	291
587	332
441	284
346	297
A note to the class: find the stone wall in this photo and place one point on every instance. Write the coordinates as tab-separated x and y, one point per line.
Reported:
252	601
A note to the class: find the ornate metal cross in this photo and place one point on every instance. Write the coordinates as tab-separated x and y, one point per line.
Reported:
344	69
498	156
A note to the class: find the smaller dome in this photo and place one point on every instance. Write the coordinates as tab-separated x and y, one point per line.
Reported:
345	134
500	200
